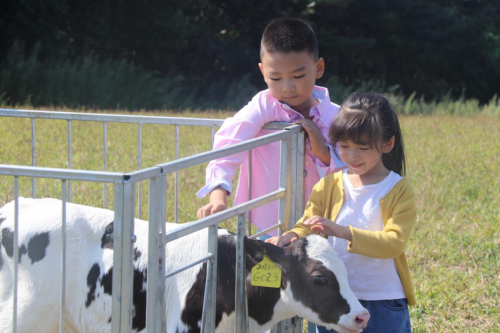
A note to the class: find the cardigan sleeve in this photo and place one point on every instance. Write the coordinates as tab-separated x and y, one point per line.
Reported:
399	215
314	207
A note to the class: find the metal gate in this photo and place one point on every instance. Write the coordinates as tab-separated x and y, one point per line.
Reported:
127	190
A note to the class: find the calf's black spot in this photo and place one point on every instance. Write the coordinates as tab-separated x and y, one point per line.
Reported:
8	243
2	219
92	278
138	295
139	300
107	238
137	254
107	282
37	247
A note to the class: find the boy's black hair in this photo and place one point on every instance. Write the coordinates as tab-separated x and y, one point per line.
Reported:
287	35
369	119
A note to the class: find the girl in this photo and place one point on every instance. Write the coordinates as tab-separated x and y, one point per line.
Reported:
368	210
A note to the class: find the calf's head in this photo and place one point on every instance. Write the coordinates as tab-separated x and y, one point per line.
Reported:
316	286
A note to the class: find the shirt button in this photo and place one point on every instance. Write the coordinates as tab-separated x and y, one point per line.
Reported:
307	163
305	173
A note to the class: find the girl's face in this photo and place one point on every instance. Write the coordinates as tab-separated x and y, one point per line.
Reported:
361	159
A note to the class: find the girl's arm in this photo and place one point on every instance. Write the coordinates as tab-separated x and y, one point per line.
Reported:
400	216
314	207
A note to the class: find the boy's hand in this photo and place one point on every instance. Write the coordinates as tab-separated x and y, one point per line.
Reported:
329	228
218	203
318	146
283	240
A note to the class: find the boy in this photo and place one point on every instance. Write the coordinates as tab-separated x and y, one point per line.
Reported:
290	67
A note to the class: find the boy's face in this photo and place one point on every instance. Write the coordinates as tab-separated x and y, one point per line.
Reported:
291	77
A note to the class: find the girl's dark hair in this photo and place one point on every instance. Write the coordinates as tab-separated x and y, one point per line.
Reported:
369	119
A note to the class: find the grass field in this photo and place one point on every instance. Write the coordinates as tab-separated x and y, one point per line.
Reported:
454	163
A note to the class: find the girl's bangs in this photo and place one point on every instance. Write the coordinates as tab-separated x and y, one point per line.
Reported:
356	126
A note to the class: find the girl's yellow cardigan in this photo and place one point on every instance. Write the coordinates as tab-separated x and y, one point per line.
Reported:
398	213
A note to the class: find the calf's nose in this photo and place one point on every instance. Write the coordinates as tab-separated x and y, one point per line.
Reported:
361	319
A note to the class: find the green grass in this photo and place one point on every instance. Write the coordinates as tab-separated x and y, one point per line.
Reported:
454	251
454	163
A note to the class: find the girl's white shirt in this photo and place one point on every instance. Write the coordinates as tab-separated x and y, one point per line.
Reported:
369	278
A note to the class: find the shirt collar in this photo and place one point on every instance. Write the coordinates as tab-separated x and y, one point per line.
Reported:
321	94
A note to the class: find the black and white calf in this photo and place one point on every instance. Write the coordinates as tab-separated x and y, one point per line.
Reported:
314	283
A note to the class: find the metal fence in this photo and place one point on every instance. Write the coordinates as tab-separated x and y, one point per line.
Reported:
289	195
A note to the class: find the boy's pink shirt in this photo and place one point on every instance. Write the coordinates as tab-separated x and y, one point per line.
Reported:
247	124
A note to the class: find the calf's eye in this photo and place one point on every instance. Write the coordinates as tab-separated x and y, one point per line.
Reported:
319	280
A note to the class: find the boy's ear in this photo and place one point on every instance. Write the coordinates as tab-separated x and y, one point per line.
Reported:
320	68
261	67
388	145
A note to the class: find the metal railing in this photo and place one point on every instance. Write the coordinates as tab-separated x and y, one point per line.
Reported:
106	119
289	195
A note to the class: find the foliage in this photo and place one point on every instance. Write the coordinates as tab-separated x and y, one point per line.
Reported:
192	53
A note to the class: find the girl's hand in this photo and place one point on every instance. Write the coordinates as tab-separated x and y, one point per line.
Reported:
328	227
318	223
283	240
318	146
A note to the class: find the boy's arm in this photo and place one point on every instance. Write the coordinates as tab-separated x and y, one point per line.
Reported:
327	161
390	242
318	146
218	203
245	125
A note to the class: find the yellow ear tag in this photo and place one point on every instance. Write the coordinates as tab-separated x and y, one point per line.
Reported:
266	274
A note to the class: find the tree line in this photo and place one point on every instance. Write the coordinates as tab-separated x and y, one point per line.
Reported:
198	52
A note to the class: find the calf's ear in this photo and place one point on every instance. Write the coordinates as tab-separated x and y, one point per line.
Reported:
277	255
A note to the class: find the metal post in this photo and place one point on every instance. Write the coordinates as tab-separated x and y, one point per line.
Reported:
210	299
176	206
33	157
160	309
105	161
293	184
127	258
117	257
212	136
63	260
139	167
16	253
299	203
69	158
284	204
249	226
292	325
154	279
241	307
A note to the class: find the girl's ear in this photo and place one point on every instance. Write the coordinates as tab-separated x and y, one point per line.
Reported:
388	145
320	68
